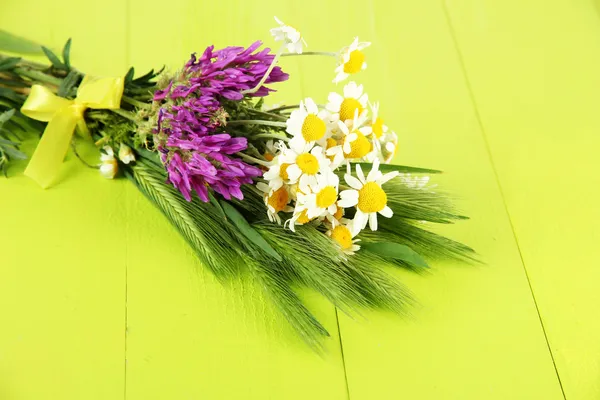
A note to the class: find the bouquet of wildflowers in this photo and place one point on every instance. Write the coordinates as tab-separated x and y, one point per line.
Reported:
298	196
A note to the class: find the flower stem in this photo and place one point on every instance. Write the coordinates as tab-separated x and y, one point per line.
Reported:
270	136
38	76
284	108
135	102
125	114
312	53
268	114
266	75
257	122
253	160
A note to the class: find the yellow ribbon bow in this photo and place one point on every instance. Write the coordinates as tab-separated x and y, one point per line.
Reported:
62	116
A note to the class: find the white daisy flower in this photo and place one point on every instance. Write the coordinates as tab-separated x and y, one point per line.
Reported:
289	35
305	162
343	234
300	217
272	150
389	146
307	124
277	174
275	200
126	154
352	60
367	195
322	199
376	123
109	166
355	143
344	107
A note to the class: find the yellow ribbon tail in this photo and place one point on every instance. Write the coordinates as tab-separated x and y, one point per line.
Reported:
53	146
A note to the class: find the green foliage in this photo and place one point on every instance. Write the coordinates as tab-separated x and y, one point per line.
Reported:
54	60
143	86
9	63
9	149
67	54
245	229
16	44
210	238
396	251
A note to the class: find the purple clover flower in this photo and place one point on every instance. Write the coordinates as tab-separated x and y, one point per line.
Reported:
196	153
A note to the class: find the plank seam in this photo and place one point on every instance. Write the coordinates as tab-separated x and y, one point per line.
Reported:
497	178
128	64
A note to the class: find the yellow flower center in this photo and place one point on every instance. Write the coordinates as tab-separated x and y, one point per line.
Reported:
347	108
342	236
371	198
355	63
313	128
339	213
326	197
360	147
377	127
268	156
303	218
283	171
308	163
279	199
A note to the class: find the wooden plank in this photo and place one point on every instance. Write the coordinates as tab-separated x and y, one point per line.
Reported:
62	275
476	334
533	67
188	336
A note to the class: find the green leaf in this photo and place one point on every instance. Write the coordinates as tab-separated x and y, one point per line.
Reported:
145	77
8	142
14	153
396	251
67	54
11	95
240	222
385	168
9	63
56	63
15	44
5	116
215	203
129	76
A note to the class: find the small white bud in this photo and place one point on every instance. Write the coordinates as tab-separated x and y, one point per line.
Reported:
126	154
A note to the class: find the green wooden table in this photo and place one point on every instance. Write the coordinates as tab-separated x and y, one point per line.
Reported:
101	299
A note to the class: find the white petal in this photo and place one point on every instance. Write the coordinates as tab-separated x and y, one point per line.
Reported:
360	220
387	177
334	101
373	172
349	193
352	90
272	173
313	213
387	212
353	182
373	221
360	174
347	203
343	128
294	172
311	106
